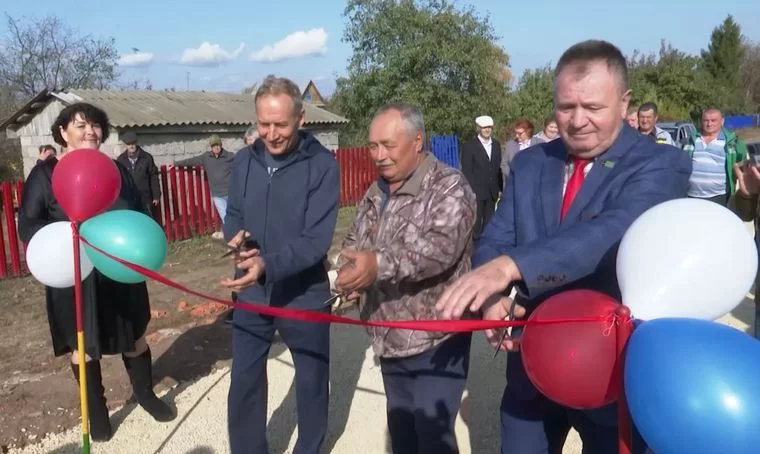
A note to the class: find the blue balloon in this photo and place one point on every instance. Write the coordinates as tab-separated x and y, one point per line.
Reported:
693	386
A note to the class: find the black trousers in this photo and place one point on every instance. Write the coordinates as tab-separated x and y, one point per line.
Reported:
423	394
486	209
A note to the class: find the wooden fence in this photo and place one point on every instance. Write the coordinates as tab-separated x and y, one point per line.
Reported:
185	209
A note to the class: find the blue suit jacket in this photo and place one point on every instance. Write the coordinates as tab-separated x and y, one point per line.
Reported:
580	251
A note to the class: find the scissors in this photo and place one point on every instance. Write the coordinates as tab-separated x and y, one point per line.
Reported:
510	316
329	301
339	263
240	247
233	250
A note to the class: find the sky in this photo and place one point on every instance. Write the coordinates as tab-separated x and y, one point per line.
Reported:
227	45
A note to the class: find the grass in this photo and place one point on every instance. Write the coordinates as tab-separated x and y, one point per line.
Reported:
190	245
345	218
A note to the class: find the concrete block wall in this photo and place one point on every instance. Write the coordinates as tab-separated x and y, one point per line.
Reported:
166	145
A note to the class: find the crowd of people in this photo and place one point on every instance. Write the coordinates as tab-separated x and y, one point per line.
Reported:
541	215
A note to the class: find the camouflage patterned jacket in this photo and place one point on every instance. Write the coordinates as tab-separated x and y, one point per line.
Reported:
422	236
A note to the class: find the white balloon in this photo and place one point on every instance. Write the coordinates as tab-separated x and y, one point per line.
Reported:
50	256
686	258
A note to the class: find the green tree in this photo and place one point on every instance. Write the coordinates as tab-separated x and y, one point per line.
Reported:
723	60
674	80
427	52
534	96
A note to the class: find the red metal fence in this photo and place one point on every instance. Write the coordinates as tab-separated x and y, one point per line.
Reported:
357	173
185	209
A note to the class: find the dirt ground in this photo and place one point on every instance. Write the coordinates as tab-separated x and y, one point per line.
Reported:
749	134
188	338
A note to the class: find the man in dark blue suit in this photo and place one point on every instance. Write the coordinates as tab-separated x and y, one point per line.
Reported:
563	212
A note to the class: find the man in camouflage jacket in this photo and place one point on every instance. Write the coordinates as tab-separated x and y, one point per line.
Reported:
411	237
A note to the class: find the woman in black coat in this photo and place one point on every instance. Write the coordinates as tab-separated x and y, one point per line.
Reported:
116	315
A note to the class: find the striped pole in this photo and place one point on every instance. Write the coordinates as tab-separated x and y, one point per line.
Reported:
80	342
624	328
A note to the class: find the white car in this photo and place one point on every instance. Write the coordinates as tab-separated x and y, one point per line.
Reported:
679	130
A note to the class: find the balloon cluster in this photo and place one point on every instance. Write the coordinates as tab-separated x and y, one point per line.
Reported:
86	184
690	382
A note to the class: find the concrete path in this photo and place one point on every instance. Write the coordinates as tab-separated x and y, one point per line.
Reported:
357	417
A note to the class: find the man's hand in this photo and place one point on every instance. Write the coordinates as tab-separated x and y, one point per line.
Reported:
499	310
748	177
359	273
238	239
473	289
254	269
155	203
236	250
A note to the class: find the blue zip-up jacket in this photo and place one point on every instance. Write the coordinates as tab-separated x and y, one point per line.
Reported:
292	217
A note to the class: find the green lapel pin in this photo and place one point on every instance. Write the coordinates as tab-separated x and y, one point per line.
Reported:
608	164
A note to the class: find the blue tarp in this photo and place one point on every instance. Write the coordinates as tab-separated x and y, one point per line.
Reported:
741	121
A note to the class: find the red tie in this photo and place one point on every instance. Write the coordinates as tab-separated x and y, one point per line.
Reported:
574	184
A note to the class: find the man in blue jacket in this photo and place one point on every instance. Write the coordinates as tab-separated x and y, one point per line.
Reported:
283	205
563	212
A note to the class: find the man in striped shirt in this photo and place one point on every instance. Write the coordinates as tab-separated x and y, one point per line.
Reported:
714	151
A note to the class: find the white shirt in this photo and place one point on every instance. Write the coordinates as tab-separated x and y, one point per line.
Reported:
570	168
708	175
487	144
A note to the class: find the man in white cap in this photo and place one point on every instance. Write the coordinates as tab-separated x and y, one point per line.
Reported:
481	160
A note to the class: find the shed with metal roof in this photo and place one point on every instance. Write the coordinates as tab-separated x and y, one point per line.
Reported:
171	125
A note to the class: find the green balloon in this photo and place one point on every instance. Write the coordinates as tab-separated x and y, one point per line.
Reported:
129	235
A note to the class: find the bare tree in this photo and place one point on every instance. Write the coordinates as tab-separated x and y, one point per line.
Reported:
45	53
250	90
135	84
750	75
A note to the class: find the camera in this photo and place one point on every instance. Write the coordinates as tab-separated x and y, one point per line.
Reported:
753	157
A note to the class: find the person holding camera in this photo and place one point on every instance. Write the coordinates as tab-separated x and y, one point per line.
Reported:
746	205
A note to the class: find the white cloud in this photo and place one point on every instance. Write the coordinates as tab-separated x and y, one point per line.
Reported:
208	54
298	44
136	59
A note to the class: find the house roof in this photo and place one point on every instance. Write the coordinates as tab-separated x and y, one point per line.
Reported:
311	84
145	108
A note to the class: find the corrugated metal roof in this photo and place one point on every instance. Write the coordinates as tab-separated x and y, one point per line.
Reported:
142	108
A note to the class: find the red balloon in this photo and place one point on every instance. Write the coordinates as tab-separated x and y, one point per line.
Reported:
574	363
86	183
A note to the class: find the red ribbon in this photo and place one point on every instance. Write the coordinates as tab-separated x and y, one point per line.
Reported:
315	316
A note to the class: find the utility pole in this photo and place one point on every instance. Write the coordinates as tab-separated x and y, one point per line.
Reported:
188	80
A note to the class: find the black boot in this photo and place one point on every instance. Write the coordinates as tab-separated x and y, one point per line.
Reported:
100	425
140	370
